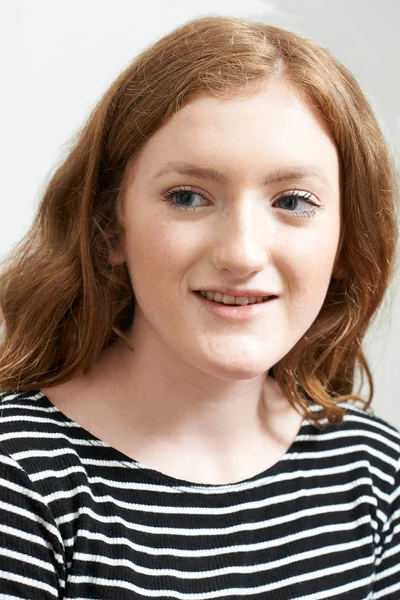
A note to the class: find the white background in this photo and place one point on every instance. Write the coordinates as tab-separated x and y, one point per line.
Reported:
58	57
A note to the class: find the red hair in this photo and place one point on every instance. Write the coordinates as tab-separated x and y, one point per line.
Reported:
62	303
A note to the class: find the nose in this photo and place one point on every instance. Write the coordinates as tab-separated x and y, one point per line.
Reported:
240	243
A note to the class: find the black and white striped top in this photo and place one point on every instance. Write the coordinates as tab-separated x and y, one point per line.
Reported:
81	520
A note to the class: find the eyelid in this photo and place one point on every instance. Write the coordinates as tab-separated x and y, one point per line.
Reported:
309	196
304	194
185	188
292	190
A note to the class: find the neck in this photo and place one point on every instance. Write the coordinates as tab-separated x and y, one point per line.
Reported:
181	405
180	420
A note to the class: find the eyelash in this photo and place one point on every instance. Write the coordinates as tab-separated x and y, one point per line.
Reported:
169	194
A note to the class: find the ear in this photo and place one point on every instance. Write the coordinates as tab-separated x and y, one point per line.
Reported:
116	256
339	272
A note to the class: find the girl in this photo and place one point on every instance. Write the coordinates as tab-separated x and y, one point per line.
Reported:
181	328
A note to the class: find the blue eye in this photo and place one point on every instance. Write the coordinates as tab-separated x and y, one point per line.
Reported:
293	198
185	194
181	198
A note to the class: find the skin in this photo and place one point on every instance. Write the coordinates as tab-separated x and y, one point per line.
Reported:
191	397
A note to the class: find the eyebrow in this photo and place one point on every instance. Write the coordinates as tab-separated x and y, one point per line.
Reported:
295	173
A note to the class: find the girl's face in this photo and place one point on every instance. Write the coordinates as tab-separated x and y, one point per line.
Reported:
240	193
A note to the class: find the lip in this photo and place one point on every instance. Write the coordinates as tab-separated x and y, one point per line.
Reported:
235	313
238	293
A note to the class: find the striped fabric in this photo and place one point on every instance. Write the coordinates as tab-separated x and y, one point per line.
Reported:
81	520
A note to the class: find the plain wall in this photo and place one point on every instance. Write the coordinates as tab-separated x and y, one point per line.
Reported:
58	58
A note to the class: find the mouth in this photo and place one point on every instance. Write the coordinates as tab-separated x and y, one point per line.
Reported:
237	313
232	301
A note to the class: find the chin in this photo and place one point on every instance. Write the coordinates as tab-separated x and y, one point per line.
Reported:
238	370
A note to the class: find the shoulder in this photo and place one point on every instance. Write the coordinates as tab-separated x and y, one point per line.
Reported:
29	416
363	442
363	422
39	437
363	427
43	454
368	426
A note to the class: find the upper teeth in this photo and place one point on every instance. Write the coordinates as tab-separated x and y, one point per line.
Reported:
224	299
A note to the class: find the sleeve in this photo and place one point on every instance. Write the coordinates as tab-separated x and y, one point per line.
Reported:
31	547
387	566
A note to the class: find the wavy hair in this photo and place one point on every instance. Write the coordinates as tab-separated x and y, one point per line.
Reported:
61	301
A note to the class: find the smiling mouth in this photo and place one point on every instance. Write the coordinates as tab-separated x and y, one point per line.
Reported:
225	300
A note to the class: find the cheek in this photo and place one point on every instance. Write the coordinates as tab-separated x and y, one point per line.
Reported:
310	263
159	255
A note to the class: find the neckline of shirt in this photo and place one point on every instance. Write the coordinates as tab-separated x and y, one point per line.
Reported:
126	461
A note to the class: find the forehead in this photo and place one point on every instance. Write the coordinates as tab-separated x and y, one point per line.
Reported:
243	136
267	111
